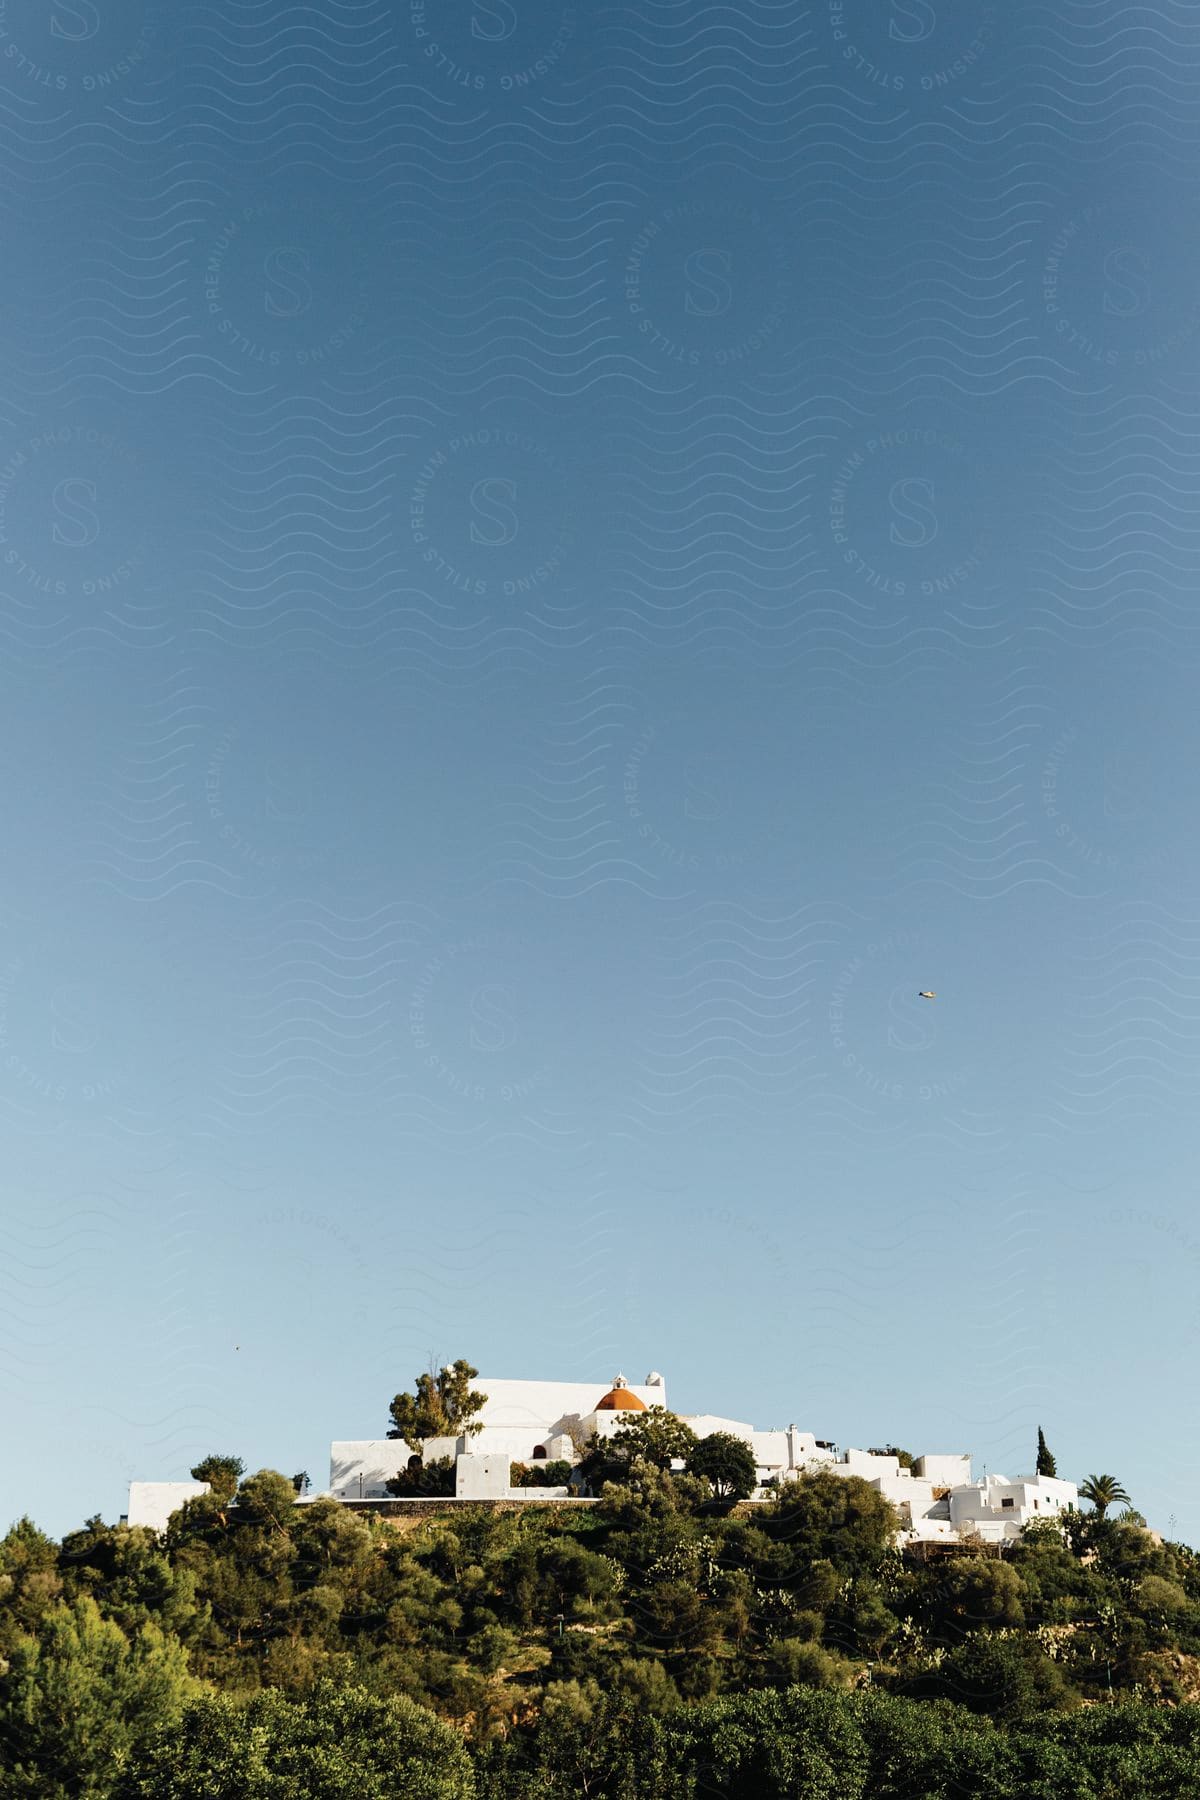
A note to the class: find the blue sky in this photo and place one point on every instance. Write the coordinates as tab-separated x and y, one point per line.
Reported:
555	569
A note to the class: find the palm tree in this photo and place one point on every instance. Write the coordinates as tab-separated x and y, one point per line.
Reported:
1103	1491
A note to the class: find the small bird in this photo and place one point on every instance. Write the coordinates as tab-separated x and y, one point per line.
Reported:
925	995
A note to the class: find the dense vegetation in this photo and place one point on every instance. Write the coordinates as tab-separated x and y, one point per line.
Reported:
655	1644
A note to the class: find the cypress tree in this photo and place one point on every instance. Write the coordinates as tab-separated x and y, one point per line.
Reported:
1045	1462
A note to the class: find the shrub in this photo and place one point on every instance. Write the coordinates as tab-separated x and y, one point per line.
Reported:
540	1474
430	1479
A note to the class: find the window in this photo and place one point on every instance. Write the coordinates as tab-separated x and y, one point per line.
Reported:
1006	1503
539	1453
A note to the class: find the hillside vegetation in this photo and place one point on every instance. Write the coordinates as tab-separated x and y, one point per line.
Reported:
655	1644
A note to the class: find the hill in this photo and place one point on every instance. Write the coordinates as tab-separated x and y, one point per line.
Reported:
657	1643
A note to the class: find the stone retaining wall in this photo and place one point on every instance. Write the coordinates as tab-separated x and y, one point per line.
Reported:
414	1508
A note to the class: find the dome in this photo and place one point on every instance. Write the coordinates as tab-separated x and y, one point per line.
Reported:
620	1398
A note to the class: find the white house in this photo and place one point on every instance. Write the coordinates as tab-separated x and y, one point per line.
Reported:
939	1502
996	1508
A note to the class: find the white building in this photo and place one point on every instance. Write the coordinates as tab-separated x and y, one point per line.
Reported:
995	1508
526	1421
938	1502
552	1421
152	1502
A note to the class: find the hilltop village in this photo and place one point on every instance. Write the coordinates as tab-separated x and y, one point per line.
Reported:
549	1426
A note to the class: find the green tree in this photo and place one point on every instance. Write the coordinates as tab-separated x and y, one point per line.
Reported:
242	1556
577	1579
862	1621
267	1499
727	1463
77	1697
817	1585
835	1518
1154	1595
540	1474
1103	1491
586	1745
774	1746
1046	1464
795	1663
1011	1678
974	1594
645	1682
444	1405
222	1474
335	1743
29	1578
131	1578
645	1491
655	1436
938	1752
1042	1532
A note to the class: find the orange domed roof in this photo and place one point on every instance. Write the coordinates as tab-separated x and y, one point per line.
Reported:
620	1398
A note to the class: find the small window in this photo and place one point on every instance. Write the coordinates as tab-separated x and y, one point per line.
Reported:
1006	1503
539	1453
414	1462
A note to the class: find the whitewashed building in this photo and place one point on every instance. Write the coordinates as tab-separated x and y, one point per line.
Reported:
995	1508
938	1502
552	1421
525	1421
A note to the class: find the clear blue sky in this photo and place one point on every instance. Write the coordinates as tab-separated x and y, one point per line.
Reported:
557	565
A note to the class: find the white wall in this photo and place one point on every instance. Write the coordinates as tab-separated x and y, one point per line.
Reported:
775	1452
1032	1497
926	1530
705	1424
434	1449
805	1452
770	1451
375	1459
907	1491
945	1471
482	1478
494	1440
865	1463
520	1416
540	1405
152	1502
